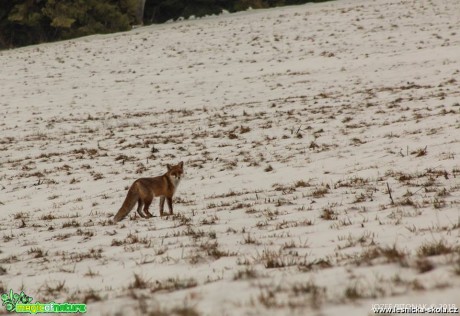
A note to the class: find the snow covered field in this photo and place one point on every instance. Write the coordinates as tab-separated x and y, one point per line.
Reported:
295	125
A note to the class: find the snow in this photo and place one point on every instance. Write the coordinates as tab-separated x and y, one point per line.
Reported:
341	99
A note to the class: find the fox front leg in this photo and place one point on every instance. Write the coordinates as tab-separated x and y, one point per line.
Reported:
162	205
170	205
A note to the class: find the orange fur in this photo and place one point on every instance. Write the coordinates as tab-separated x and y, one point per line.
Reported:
143	190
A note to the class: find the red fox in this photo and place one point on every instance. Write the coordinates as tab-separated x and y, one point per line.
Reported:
143	190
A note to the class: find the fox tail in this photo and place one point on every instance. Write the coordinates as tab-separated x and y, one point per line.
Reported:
131	199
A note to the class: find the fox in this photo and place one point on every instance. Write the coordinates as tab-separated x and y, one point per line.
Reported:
143	190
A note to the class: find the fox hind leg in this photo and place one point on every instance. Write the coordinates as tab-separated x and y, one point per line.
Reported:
140	205
148	201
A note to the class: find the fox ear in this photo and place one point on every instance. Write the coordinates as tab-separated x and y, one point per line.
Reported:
168	166
181	164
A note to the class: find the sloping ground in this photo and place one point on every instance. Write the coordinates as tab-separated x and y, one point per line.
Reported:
321	147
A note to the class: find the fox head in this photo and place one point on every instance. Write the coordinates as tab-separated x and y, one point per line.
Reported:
176	171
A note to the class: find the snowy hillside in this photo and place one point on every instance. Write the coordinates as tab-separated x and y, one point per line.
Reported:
321	147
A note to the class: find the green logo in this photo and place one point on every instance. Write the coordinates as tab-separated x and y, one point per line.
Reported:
12	299
21	303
